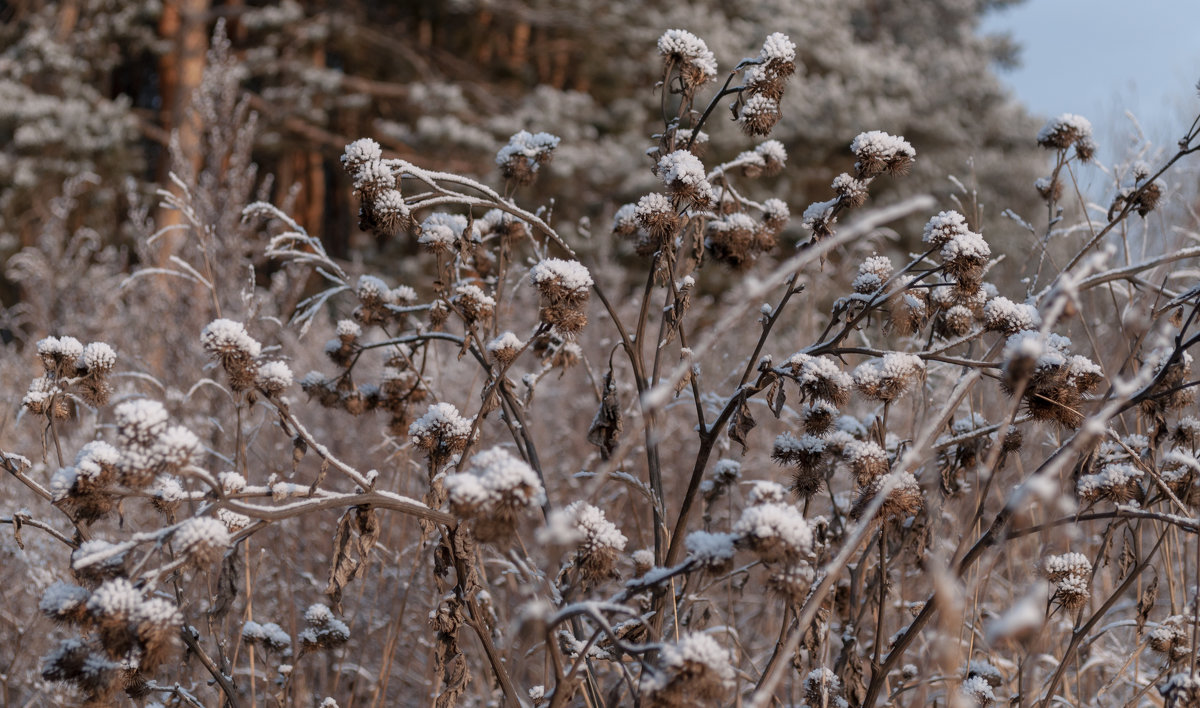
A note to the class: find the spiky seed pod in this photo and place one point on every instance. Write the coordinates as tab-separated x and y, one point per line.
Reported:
359	153
1050	190
1068	129
227	342
441	432
954	322
494	492
712	552
269	636
683	175
599	543
157	623
112	607
904	500
690	56
891	377
791	582
877	152
525	152
324	631
564	287
202	539
805	455
775	532
851	192
820	378
759	114
822	687
731	240
694	670
866	460
65	603
657	216
818	417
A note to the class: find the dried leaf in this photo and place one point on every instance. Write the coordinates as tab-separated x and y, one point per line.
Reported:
741	423
606	426
357	531
227	587
1146	603
299	448
776	397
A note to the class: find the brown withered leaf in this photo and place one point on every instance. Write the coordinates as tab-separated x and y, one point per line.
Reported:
741	423
606	426
227	586
1146	603
490	397
357	531
776	397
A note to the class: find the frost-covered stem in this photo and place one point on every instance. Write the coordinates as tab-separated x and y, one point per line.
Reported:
54	432
322	451
1079	634
379	499
19	521
1130	203
225	682
882	590
725	91
816	597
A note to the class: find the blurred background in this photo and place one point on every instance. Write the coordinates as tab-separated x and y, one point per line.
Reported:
99	87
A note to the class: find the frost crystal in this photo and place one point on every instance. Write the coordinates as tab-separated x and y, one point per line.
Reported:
710	548
115	598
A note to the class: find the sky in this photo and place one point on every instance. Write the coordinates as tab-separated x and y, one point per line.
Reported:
1100	58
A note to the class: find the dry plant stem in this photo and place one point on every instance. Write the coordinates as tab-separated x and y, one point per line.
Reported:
1079	634
222	680
19	521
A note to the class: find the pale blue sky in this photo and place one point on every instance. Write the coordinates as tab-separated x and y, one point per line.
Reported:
1100	58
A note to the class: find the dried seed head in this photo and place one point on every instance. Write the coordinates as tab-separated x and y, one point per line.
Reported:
59	355
157	623
442	232
202	539
657	216
505	347
694	670
774	156
851	191
388	213
943	227
1169	636
494	492
792	582
525	152
872	274
889	378
441	432
1063	131
324	631
690	56
711	551
774	532
759	114
269	636
806	456
1005	316
1048	189
904	499
877	152
475	305
964	256
818	416
98	359
955	322
822	687
820	217
765	492
359	153
978	692
66	603
820	378
625	221
866	459
683	175
1181	690
372	178
732	239
564	287
274	377
1071	575
228	342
